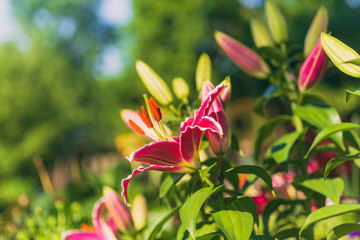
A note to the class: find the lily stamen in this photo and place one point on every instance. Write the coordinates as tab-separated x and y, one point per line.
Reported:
155	110
145	117
136	127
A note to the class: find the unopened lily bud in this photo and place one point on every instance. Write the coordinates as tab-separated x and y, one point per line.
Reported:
226	93
139	212
117	210
203	71
181	89
314	67
318	25
276	22
154	83
340	54
260	34
245	58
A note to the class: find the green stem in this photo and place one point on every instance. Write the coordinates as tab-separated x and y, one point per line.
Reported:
221	181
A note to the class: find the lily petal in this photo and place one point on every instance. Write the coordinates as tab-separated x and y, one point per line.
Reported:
125	182
98	216
162	154
190	138
79	235
207	103
218	143
117	210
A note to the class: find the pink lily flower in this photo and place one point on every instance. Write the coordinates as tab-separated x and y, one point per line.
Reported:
166	153
104	228
219	143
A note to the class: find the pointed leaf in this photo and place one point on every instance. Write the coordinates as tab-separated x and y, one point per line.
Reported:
320	116
266	130
331	188
160	224
327	212
349	94
335	162
342	230
252	169
236	225
355	61
244	204
169	179
190	210
262	237
328	131
281	148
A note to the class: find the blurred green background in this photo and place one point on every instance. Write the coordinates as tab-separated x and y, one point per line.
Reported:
68	66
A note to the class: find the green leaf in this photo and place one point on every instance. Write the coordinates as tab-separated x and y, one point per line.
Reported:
272	53
335	162
349	94
281	148
236	225
331	188
252	169
355	61
287	233
262	237
266	130
203	232
160	224
244	204
190	209
342	230
327	212
272	206
204	171
321	115
168	181
332	129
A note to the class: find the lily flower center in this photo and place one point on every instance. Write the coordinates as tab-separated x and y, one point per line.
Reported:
152	119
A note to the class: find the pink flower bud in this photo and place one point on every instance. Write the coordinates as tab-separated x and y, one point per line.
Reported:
245	58
314	67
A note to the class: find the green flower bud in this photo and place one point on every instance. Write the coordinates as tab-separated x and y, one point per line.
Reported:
276	22
139	212
318	25
341	55
154	83
181	89
260	34
203	71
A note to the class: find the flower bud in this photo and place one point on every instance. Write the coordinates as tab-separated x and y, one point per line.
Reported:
260	34
181	89
340	54
139	212
245	58
117	210
226	93
276	22
154	83
313	68
318	25
203	71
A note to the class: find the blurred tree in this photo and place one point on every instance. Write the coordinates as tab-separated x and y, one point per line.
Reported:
49	107
75	27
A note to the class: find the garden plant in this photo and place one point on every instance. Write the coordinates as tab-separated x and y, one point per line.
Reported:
302	179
